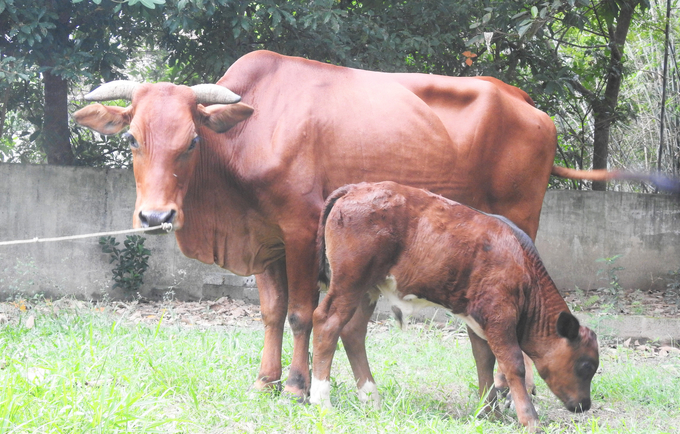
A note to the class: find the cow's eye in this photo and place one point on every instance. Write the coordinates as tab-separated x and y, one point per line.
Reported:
130	139
194	142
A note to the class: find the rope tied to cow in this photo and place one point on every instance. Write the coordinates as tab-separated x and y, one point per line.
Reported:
167	227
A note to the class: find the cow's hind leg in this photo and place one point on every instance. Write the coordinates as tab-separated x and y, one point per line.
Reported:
353	337
273	290
332	314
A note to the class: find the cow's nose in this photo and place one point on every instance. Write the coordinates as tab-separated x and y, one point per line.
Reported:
156	218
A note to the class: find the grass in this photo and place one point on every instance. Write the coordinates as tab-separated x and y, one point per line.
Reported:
87	371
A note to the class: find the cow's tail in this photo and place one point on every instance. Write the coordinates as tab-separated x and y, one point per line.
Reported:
659	180
324	268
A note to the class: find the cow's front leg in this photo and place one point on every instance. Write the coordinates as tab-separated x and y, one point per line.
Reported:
272	287
484	361
353	337
303	297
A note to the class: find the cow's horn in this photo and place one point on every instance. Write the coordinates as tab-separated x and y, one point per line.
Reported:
120	89
214	94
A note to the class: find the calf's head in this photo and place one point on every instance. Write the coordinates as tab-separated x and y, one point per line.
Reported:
568	361
165	121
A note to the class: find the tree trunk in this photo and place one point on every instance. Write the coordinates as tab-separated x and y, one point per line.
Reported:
55	133
3	111
604	110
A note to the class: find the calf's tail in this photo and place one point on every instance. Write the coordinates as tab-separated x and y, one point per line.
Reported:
324	269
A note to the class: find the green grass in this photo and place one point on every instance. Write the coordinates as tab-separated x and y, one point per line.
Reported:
89	372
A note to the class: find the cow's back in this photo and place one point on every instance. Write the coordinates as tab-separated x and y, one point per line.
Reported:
317	127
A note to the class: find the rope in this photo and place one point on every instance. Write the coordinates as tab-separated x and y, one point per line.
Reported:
167	227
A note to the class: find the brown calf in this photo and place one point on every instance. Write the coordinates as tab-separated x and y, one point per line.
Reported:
418	249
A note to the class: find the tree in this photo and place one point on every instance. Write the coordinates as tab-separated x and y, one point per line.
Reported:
57	42
565	50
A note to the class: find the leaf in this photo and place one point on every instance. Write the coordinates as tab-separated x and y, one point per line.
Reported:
468	61
469	54
148	3
534	11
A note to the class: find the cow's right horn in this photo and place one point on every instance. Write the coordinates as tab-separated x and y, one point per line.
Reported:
120	89
214	94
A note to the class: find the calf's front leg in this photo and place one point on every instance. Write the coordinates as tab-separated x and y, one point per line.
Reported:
484	361
503	342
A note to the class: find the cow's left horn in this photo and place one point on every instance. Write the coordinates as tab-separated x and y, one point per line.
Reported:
119	89
214	94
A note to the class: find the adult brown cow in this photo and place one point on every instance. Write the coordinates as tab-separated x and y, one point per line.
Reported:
420	249
244	182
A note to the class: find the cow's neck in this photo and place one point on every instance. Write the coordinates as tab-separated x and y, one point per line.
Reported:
223	224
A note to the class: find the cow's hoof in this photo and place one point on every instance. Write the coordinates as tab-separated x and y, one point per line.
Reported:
294	395
268	387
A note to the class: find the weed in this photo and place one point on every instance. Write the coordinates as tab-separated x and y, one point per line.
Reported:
611	271
131	262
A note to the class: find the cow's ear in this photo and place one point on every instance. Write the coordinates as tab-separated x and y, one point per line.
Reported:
220	117
568	326
103	119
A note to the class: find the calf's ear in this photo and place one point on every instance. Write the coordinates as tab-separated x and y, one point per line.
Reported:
221	118
568	326
103	119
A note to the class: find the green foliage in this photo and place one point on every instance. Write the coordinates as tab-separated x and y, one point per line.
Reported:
132	261
610	273
83	368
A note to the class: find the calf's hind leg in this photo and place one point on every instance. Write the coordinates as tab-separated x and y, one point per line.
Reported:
329	318
353	337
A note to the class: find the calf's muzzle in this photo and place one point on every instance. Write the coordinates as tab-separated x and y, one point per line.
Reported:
579	407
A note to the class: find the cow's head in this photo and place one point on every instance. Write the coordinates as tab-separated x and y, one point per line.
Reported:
164	122
568	362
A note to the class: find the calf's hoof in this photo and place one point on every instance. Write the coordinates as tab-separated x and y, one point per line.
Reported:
320	393
368	394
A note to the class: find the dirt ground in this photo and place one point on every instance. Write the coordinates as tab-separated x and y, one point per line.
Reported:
226	312
664	304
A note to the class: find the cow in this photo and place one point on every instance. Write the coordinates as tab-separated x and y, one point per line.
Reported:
241	168
420	249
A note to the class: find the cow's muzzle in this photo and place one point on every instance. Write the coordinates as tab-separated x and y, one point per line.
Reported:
149	219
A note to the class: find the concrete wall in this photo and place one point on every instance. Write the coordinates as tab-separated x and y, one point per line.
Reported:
576	229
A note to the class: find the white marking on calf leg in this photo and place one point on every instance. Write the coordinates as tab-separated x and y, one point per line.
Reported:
369	392
320	393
